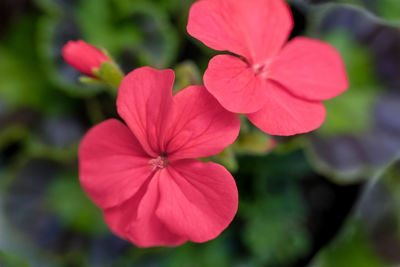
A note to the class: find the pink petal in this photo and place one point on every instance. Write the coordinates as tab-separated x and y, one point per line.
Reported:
200	126
197	200
254	29
112	164
284	114
136	220
310	69
234	84
144	102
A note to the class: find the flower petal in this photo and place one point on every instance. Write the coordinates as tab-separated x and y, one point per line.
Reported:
234	84
144	102
254	29
112	164
284	114
197	200
136	220
310	69
200	126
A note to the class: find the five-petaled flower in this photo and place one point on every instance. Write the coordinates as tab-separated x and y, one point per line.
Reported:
280	87
84	57
144	176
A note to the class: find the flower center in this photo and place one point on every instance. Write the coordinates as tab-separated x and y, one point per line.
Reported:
258	68
262	69
159	163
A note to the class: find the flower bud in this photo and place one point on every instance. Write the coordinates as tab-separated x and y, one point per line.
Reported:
84	57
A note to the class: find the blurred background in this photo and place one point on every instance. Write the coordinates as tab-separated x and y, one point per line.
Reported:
330	198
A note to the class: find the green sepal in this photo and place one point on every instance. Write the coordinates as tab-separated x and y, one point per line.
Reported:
110	74
89	80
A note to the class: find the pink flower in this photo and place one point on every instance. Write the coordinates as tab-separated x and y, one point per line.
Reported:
84	57
144	175
280	87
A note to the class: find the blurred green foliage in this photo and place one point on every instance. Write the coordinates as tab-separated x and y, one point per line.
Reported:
275	233
375	218
66	200
350	112
11	260
351	248
384	11
390	10
21	80
340	146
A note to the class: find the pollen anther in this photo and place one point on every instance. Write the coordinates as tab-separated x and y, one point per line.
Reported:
159	163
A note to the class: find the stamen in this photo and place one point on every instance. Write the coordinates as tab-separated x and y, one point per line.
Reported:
257	68
262	69
159	163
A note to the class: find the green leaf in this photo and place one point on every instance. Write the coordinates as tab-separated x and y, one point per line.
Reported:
214	253
389	10
51	61
351	248
227	158
253	143
13	133
67	200
21	83
11	260
351	112
274	231
373	226
139	31
385	12
187	73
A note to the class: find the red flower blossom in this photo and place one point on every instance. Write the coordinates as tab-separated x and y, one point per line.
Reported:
144	175
84	57
279	86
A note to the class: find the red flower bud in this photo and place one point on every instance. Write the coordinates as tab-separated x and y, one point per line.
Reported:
84	57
